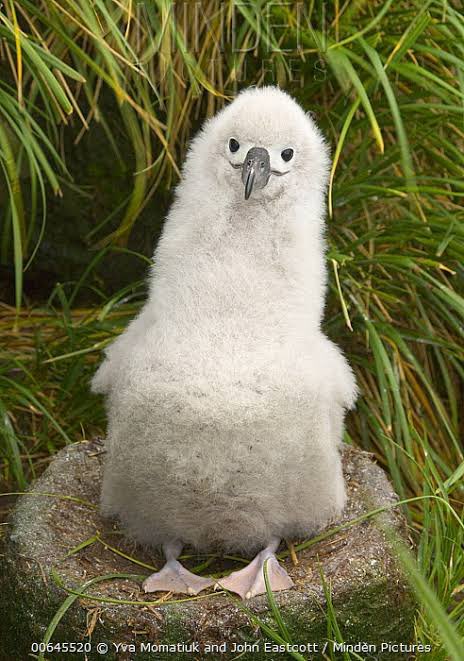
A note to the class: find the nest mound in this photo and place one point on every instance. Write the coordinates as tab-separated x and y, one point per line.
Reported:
57	542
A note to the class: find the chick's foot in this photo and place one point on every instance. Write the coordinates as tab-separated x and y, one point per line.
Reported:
249	581
173	577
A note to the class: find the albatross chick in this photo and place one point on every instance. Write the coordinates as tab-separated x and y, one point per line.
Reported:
225	400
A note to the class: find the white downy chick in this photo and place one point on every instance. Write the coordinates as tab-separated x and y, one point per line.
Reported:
225	400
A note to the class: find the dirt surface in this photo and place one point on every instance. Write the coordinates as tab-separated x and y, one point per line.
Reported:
40	564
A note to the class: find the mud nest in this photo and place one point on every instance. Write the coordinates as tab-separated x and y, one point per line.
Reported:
57	542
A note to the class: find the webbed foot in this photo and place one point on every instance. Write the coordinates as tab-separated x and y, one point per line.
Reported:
173	577
249	581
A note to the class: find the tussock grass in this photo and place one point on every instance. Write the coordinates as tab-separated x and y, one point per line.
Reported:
386	81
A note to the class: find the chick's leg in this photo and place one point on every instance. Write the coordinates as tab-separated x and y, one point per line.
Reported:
249	581
173	577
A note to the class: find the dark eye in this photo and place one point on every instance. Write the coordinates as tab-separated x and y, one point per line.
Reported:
234	145
287	154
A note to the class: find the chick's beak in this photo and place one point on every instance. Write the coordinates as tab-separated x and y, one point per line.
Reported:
256	170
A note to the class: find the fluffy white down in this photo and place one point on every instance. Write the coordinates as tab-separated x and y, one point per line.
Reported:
225	401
